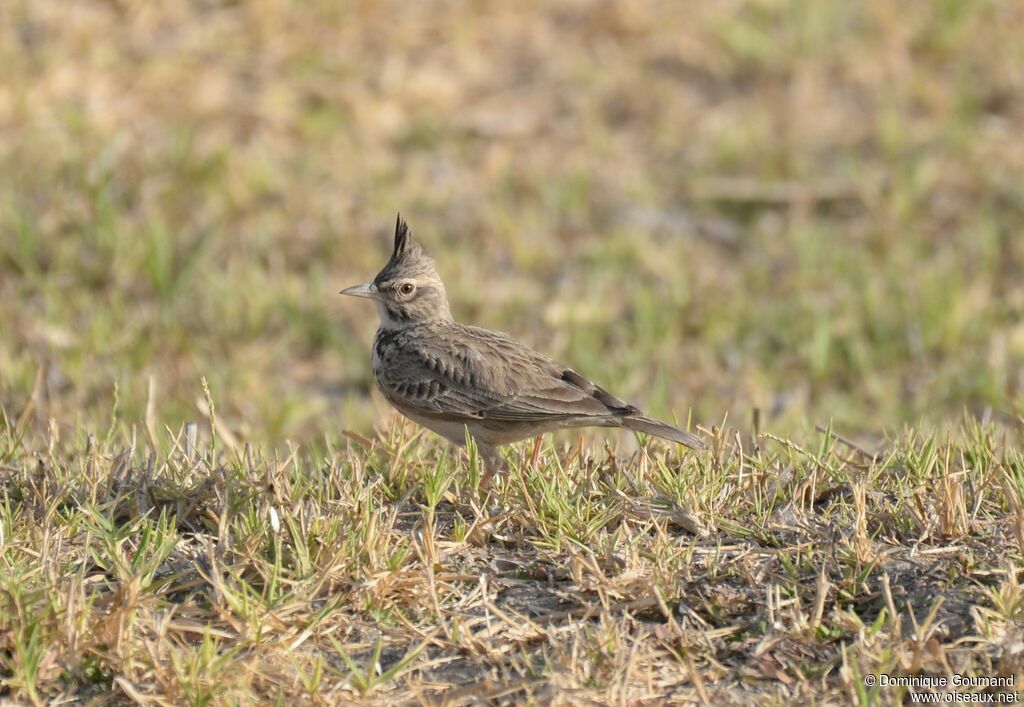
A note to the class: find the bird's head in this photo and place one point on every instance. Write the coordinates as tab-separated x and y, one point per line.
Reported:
408	289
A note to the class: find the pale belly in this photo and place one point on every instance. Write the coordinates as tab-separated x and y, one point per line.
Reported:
491	434
452	431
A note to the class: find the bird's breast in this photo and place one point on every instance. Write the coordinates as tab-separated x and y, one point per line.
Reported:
375	360
382	344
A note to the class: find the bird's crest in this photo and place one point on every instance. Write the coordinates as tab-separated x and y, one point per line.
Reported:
402	237
408	259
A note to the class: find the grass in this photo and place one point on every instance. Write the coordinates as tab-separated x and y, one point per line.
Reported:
760	570
796	224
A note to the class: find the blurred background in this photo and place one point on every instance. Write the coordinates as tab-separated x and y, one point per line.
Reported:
811	208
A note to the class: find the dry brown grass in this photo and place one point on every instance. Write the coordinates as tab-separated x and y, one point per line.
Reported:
374	574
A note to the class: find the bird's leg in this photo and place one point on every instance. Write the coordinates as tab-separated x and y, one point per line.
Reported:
493	465
535	457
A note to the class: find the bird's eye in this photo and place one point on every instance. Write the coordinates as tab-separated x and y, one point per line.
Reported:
406	288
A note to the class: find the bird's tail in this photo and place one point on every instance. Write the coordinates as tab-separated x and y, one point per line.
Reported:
644	424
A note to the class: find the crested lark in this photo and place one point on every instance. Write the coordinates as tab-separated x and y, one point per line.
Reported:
450	377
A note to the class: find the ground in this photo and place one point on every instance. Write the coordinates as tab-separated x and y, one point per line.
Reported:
793	226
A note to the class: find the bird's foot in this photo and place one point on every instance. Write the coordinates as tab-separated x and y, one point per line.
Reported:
493	465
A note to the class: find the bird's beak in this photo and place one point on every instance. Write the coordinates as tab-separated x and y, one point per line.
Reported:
368	291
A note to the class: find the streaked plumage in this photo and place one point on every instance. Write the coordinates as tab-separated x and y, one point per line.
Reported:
449	376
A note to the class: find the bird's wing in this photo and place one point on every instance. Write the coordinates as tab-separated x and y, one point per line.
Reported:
477	374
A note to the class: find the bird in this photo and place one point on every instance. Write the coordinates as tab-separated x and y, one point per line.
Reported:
452	378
